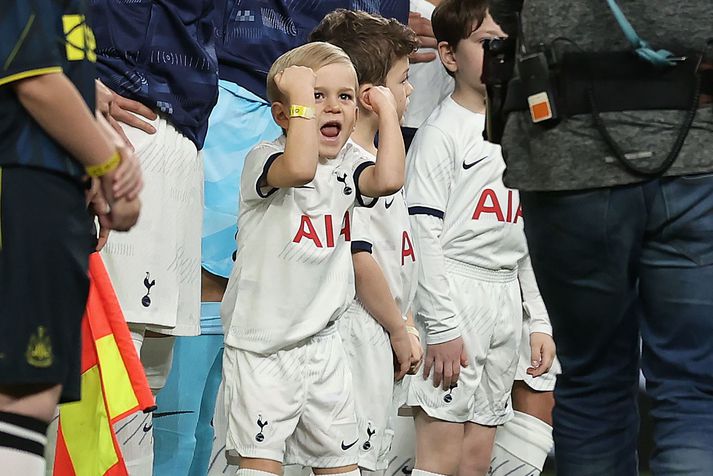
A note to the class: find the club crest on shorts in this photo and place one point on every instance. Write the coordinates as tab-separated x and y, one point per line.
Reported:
369	433
448	397
262	424
39	349
146	300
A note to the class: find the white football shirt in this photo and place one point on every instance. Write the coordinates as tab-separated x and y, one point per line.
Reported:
293	272
385	231
460	209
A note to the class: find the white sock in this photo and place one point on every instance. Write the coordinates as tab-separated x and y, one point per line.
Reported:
22	444
420	472
157	357
137	332
521	446
252	472
135	432
135	436
51	445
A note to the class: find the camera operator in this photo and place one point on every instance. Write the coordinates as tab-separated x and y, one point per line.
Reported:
617	194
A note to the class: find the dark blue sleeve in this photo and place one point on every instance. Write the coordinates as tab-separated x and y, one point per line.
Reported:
27	40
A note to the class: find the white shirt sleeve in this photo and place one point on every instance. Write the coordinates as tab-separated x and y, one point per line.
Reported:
532	300
433	302
358	160
428	187
362	239
253	180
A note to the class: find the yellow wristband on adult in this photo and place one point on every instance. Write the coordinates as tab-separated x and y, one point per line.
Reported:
413	331
106	167
306	112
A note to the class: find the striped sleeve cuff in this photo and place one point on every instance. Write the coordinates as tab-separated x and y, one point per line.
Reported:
426	211
361	246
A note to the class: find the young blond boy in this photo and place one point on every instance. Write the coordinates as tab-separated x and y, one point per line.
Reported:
469	232
288	386
382	247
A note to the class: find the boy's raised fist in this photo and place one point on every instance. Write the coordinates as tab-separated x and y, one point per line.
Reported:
297	84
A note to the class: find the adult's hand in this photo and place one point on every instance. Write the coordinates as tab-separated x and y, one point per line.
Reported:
427	39
119	109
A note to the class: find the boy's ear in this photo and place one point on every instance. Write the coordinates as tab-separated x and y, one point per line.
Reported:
280	115
363	96
448	57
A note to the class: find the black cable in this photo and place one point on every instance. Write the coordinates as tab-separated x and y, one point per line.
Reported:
677	145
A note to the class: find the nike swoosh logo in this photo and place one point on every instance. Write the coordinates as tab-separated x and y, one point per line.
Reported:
310	187
346	447
165	414
472	164
388	204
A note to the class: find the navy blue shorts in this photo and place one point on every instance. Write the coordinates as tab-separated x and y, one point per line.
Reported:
44	250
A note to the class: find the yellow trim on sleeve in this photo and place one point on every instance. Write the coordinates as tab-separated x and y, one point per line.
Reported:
30	73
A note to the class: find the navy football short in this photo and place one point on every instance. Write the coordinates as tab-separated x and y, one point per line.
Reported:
44	251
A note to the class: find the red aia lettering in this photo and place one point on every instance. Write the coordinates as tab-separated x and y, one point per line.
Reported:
346	227
489	203
307	231
407	248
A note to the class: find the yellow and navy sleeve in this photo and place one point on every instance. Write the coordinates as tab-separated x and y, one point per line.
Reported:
27	46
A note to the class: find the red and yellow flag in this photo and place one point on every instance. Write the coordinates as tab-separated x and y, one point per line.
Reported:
113	386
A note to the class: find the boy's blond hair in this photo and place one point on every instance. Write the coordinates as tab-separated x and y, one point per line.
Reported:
312	55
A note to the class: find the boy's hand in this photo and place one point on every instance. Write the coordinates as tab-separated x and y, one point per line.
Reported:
379	99
401	345
446	360
297	83
416	354
542	352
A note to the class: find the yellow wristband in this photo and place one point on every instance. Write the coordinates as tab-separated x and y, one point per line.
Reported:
413	331
106	167
306	112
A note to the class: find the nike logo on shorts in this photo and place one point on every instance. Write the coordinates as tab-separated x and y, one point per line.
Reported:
165	414
472	164
346	447
388	204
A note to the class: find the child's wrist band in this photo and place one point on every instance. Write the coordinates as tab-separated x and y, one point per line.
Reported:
102	169
413	331
305	112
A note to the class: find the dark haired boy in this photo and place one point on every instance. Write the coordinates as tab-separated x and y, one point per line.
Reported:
382	246
475	273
